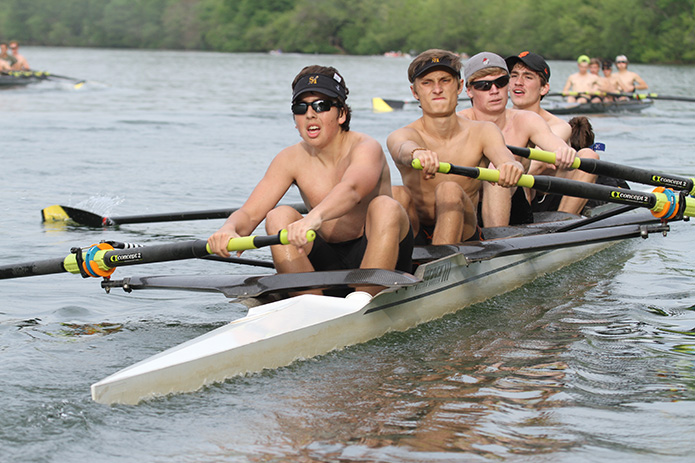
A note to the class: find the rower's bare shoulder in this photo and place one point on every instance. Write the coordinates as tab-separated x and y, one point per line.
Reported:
363	142
467	113
290	157
411	132
523	116
560	128
480	128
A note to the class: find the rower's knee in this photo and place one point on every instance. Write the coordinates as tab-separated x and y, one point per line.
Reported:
387	208
385	213
280	218
449	192
587	153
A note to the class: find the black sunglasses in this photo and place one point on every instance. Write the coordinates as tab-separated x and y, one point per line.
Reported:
319	106
486	85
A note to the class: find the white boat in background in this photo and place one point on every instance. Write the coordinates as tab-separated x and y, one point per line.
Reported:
277	333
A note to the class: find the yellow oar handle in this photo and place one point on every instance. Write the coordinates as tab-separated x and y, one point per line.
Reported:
444	167
244	243
478	173
550	158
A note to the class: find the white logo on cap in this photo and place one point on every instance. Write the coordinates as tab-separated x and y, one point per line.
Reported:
486	61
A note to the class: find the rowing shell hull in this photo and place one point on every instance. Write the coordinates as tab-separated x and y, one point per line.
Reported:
599	108
18	79
279	333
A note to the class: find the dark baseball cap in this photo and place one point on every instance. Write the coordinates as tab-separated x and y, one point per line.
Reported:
331	86
533	61
443	63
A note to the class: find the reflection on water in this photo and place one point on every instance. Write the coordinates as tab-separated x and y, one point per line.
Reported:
522	375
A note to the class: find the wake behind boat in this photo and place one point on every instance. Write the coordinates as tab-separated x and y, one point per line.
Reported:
279	330
604	107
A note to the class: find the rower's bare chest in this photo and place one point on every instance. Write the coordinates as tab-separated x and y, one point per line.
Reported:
515	133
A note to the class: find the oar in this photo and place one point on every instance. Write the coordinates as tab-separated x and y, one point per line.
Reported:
663	203
609	169
384	105
100	260
635	95
651	96
380	105
575	94
47	75
57	213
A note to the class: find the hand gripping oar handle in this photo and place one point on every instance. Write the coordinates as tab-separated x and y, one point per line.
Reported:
609	169
254	242
662	202
100	260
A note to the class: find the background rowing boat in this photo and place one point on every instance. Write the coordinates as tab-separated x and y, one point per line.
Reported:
594	362
559	107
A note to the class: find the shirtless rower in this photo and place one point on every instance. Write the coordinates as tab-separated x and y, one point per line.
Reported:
20	61
529	83
582	82
442	208
6	60
344	180
630	81
609	83
487	79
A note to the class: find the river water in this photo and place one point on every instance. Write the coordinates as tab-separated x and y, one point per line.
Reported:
593	363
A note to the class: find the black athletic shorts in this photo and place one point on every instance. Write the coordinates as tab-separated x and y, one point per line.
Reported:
521	212
349	254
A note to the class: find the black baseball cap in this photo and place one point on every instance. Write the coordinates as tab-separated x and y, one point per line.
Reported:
533	61
443	63
331	86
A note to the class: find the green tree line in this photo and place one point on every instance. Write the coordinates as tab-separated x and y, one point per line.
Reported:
646	30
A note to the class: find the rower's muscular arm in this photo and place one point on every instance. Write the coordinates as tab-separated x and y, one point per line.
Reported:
544	138
640	83
406	144
497	152
361	179
401	144
272	187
